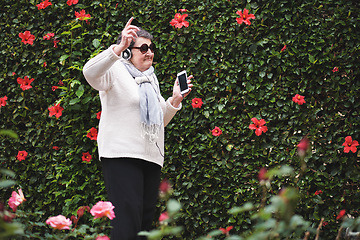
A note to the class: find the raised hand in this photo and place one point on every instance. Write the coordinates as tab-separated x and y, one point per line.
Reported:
128	34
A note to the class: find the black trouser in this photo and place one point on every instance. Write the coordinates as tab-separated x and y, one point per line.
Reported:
132	186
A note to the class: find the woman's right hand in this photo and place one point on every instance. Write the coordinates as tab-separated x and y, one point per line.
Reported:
128	34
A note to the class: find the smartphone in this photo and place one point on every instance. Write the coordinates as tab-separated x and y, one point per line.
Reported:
182	78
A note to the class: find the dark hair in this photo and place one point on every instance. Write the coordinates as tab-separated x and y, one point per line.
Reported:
141	33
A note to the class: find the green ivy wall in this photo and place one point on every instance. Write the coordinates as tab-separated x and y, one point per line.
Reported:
239	73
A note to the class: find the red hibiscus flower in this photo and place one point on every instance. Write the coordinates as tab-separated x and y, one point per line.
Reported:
3	101
182	10
318	192
54	88
258	126
226	230
70	2
55	43
179	21
56	148
299	99
48	36
86	157
44	4
27	37
25	83
283	49
244	17
44	64
216	131
92	134
197	103
350	145
341	214
98	115
82	15
335	69
21	155
55	110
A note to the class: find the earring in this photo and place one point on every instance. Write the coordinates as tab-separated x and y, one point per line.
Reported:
126	54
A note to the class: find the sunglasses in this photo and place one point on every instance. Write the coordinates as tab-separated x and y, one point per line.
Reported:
144	48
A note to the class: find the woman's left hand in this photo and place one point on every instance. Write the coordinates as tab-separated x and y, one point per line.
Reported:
177	97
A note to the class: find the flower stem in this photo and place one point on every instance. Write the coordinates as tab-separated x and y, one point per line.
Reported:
263	198
318	229
339	233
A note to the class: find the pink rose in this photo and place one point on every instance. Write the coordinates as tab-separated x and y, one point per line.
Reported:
163	217
59	222
303	146
103	209
165	187
16	199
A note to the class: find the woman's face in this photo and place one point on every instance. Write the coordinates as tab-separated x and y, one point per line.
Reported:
142	61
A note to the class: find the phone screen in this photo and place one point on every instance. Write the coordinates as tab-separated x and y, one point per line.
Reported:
183	82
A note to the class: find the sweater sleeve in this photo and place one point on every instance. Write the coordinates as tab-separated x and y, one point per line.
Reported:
96	69
170	112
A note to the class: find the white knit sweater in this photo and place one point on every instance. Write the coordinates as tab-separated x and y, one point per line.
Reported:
119	132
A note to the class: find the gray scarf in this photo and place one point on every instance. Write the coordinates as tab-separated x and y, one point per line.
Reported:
151	114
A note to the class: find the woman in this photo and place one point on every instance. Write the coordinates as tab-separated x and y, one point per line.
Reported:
131	128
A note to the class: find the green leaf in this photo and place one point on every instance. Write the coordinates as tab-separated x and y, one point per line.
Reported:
74	101
72	84
63	58
246	207
9	133
96	43
76	26
249	87
173	206
312	59
80	91
7	173
66	33
6	183
253	48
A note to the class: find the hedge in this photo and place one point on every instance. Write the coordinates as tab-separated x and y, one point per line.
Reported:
241	71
